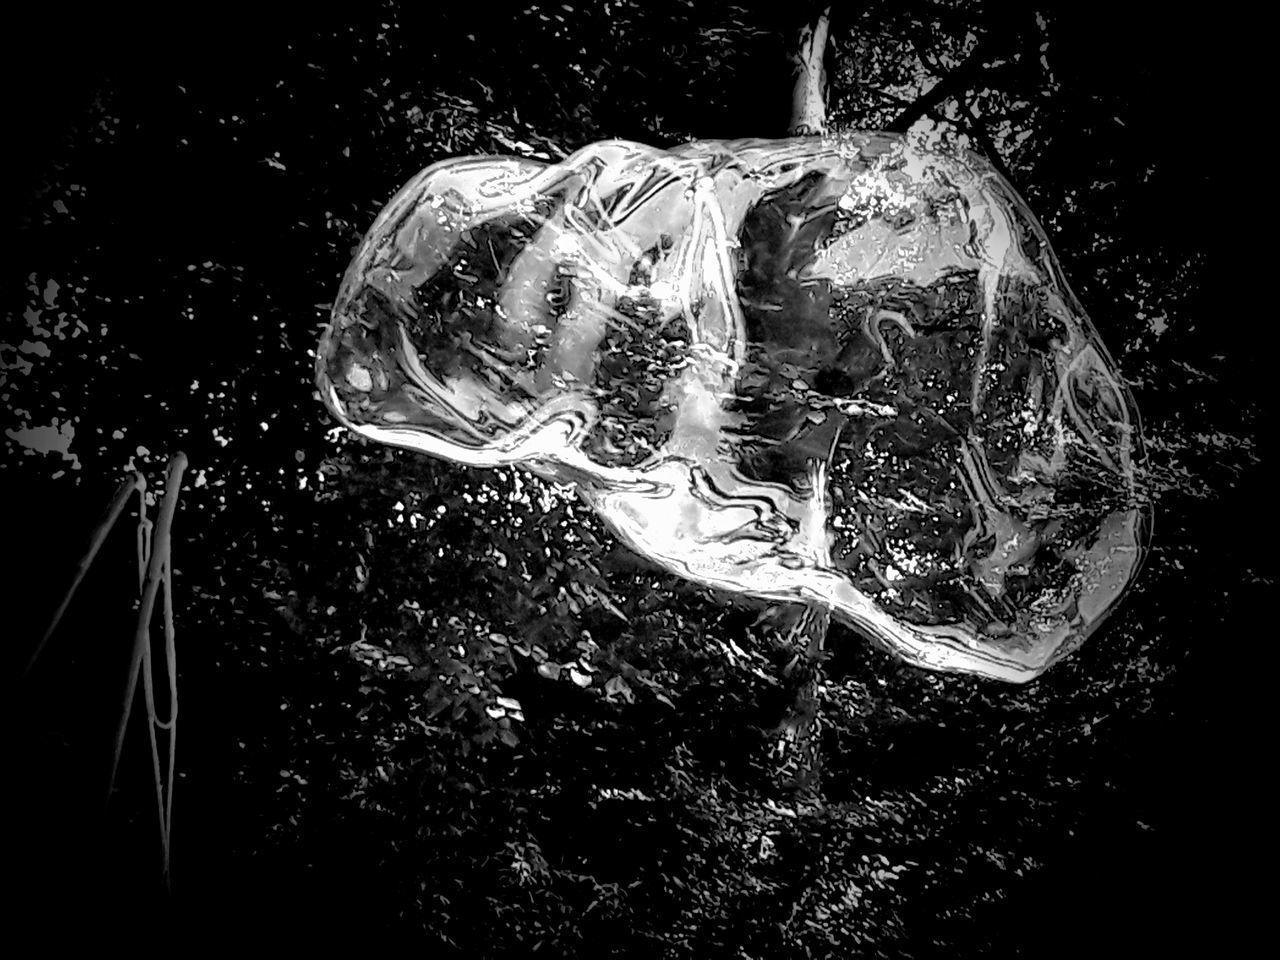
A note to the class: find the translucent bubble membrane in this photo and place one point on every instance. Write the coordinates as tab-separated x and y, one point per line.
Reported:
844	370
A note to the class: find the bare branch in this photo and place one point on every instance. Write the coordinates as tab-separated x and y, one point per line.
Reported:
977	128
809	96
956	83
1010	45
108	521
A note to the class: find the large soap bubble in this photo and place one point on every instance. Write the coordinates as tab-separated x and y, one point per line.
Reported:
845	370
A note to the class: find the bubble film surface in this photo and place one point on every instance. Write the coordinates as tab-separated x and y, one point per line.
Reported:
844	370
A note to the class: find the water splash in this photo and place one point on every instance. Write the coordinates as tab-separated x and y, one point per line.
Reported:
841	370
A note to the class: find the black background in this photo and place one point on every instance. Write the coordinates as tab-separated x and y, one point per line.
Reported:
1199	767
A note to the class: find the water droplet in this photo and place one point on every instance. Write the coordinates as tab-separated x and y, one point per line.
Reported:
824	395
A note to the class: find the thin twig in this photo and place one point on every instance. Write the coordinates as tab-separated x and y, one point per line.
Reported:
136	482
154	578
171	662
155	752
163	783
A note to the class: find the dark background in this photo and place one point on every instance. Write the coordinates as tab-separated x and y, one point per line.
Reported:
1115	804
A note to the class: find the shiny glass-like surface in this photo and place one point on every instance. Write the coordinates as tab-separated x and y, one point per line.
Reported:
844	370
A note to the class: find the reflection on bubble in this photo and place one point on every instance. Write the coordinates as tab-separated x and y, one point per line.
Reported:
844	370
